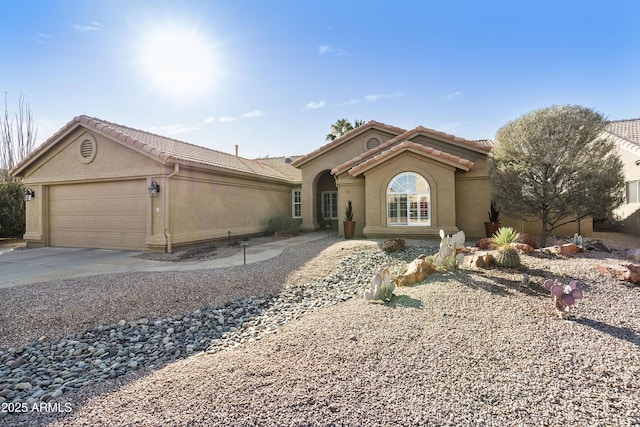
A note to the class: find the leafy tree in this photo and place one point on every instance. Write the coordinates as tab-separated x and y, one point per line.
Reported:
12	215
17	136
341	127
555	165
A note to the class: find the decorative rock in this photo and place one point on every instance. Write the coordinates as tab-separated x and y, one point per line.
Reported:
478	260
393	245
23	386
628	273
568	249
415	272
596	246
633	255
485	243
522	248
528	240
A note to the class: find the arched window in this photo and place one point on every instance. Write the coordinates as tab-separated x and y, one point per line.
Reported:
408	200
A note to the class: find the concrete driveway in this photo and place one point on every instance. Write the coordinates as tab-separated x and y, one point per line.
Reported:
24	266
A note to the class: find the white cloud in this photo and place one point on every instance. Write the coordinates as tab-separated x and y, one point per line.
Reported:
252	114
314	105
41	37
92	26
378	96
454	95
327	48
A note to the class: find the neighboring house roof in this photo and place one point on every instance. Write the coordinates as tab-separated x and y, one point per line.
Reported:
349	135
283	165
626	133
482	146
165	150
420	149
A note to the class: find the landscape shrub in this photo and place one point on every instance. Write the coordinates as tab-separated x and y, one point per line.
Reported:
284	225
12	215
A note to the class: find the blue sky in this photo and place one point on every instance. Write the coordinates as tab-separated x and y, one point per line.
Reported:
271	76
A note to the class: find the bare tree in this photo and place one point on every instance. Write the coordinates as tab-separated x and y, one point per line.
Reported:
17	136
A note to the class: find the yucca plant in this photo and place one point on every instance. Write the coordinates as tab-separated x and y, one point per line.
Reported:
506	256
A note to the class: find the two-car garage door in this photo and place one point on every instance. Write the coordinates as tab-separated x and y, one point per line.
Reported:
99	215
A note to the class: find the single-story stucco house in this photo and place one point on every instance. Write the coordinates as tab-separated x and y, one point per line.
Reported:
103	185
626	135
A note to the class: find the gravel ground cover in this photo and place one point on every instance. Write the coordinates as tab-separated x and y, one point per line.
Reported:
463	348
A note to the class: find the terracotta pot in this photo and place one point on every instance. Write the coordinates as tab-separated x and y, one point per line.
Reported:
349	229
490	228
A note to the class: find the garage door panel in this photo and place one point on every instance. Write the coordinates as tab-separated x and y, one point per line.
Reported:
99	215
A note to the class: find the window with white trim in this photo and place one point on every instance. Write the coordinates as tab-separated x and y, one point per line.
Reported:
633	193
330	205
296	208
409	200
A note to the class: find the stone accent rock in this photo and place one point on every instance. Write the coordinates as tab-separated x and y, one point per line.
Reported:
528	240
596	246
522	248
633	255
478	260
393	245
628	273
565	249
484	243
415	272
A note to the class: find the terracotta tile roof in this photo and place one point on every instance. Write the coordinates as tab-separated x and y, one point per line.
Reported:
483	145
283	165
626	133
163	148
431	152
357	131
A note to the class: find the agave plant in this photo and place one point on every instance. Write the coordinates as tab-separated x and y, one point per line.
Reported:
505	236
564	296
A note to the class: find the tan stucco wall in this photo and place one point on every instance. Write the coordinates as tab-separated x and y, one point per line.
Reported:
441	179
627	217
61	165
206	206
312	170
194	204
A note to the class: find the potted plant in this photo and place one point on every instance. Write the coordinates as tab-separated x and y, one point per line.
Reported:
349	223
493	225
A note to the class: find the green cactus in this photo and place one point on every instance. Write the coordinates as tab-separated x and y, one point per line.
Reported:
507	258
381	287
577	239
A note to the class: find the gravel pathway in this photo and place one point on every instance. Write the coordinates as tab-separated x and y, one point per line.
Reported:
268	347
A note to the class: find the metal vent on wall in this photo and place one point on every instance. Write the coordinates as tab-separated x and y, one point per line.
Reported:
372	143
86	149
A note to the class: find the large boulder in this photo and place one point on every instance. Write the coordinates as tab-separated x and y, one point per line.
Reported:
393	245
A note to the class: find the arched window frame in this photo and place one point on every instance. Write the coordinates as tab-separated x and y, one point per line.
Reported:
408	200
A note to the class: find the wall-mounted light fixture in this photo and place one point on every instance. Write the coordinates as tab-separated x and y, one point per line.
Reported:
154	188
29	194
